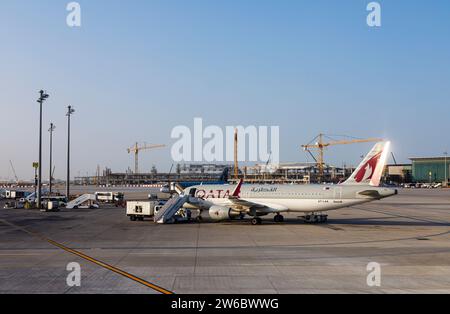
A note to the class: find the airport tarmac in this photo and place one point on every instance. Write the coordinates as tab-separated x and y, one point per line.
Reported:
408	235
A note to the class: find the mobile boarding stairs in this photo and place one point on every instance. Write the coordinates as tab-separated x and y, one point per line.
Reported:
168	213
86	198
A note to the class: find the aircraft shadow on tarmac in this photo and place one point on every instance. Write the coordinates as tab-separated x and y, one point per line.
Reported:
388	221
369	221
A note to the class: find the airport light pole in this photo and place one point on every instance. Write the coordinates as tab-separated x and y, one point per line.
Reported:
70	111
42	97
446	169
52	128
35	166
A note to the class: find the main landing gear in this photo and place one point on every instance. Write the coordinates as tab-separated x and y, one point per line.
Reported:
315	219
278	218
258	221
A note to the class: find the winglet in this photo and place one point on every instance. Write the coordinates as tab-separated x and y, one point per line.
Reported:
237	190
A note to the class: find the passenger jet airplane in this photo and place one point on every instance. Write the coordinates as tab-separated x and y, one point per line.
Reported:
224	202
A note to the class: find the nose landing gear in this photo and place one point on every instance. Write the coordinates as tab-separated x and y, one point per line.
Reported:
256	221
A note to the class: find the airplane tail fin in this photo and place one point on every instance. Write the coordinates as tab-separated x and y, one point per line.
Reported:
237	189
371	169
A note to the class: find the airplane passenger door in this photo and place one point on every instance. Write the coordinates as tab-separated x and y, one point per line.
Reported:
338	193
192	192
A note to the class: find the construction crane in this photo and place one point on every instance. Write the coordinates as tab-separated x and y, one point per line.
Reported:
136	149
393	157
14	172
318	144
236	160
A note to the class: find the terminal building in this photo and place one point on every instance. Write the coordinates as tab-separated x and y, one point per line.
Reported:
398	174
430	169
421	170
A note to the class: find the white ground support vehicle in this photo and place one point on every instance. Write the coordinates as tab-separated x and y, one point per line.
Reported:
50	206
12	194
141	210
59	200
109	197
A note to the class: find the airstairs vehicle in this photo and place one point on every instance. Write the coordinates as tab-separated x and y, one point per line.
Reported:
84	201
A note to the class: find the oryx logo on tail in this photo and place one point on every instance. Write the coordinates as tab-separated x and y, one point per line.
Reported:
370	170
367	171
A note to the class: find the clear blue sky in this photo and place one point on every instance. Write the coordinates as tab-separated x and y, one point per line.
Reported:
137	68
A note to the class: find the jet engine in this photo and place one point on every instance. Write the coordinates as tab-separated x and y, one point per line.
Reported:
219	213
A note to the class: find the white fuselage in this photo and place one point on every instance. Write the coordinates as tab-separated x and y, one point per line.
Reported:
291	198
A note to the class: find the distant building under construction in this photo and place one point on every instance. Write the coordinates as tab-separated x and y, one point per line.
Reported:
297	173
300	173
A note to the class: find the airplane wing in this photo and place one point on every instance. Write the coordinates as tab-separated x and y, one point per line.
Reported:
239	202
244	205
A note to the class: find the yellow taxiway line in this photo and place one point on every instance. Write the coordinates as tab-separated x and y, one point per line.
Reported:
90	259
